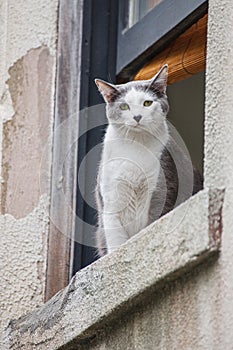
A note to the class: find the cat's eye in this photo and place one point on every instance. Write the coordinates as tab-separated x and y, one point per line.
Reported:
124	106
147	103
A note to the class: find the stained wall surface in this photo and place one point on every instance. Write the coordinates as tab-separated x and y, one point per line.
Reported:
28	33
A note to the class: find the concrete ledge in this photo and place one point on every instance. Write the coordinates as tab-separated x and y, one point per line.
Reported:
161	252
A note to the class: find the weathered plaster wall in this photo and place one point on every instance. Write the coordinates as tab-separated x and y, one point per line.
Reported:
219	101
192	313
22	255
28	34
112	286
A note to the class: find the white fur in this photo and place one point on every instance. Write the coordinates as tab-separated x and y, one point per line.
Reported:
130	167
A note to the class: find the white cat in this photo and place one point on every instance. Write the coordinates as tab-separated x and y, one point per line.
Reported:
134	151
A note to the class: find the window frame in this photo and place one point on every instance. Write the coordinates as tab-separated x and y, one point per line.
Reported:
60	246
172	18
79	61
98	60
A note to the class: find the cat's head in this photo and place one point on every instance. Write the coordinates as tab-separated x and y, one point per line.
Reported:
137	105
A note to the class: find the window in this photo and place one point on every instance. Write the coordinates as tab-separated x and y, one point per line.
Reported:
137	9
117	39
153	32
186	56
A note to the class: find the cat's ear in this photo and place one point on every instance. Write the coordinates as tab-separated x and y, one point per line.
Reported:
159	81
108	91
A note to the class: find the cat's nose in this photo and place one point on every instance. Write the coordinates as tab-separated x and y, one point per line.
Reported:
137	118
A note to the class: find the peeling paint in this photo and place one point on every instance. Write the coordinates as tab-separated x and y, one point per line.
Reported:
24	25
6	107
28	40
24	137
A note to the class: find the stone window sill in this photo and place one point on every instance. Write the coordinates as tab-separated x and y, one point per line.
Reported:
163	251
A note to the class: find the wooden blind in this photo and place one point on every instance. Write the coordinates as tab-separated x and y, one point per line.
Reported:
185	56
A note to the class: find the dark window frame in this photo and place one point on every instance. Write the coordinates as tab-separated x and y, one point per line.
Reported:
98	61
172	17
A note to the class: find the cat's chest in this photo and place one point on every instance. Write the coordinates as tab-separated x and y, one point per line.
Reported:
129	173
129	170
130	159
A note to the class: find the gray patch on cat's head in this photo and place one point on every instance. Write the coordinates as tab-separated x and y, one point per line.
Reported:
157	85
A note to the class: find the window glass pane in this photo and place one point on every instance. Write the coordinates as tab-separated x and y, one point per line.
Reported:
137	9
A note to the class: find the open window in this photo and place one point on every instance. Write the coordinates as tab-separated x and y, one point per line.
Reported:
186	56
119	41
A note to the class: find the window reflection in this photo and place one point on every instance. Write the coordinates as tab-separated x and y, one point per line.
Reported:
137	9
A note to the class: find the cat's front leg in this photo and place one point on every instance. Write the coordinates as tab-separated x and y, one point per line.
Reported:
115	233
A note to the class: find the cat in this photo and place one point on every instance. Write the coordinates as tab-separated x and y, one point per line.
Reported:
137	180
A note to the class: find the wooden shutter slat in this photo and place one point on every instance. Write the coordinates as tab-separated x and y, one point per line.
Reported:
185	56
